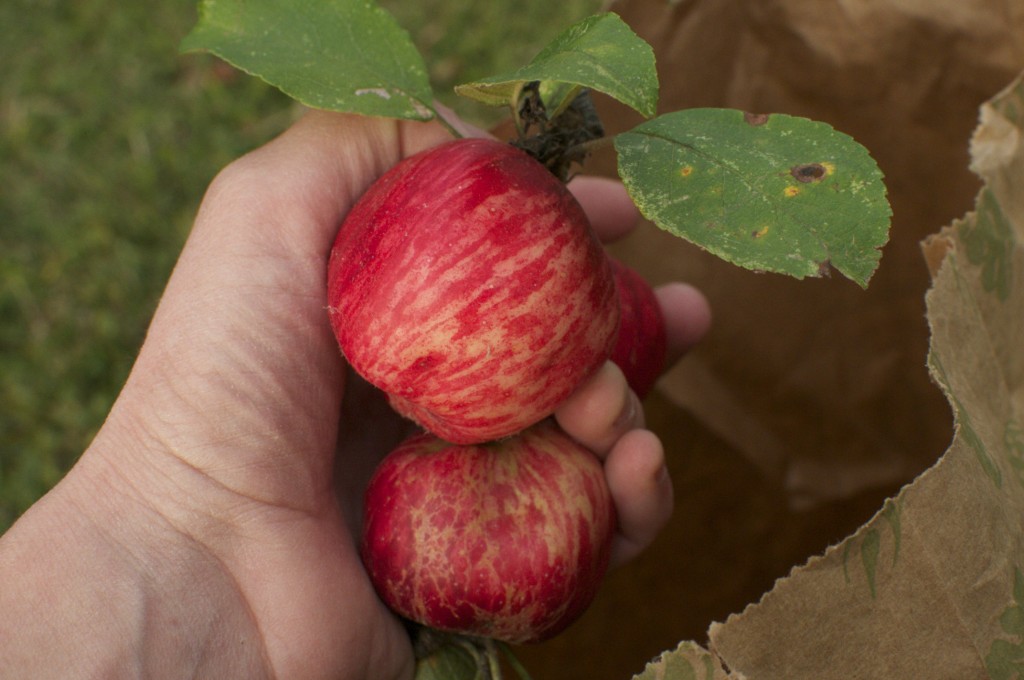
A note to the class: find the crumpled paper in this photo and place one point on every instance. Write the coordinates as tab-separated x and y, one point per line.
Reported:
933	586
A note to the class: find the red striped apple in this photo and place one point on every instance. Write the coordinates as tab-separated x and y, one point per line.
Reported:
507	540
467	285
641	346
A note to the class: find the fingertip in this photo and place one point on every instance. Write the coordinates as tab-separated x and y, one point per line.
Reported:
641	489
601	410
687	315
608	205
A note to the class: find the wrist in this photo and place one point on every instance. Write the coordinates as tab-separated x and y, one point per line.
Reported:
99	584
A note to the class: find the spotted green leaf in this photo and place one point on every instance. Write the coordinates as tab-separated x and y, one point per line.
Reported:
767	192
341	55
601	53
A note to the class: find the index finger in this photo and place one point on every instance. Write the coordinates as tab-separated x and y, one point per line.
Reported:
610	209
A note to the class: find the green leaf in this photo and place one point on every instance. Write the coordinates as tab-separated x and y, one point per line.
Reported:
341	55
450	662
601	52
767	192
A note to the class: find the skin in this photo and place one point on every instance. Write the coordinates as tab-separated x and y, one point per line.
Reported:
208	529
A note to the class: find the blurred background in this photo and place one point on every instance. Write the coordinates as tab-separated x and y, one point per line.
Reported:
108	138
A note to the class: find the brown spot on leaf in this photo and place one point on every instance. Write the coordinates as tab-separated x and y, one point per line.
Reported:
809	172
755	119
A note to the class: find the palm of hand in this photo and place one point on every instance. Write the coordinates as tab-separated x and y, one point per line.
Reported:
255	442
240	387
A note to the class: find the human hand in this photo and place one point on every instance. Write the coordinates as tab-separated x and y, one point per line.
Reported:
225	485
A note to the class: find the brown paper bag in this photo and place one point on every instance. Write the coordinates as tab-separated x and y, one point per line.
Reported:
933	586
817	381
811	402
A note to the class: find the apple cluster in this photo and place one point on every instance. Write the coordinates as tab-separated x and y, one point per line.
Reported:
468	286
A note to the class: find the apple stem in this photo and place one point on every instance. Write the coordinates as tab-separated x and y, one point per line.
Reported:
516	665
484	653
589	147
439	115
493	662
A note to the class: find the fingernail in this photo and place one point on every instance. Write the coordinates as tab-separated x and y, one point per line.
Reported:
631	416
661	476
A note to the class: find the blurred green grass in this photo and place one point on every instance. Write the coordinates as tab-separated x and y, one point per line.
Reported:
108	138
